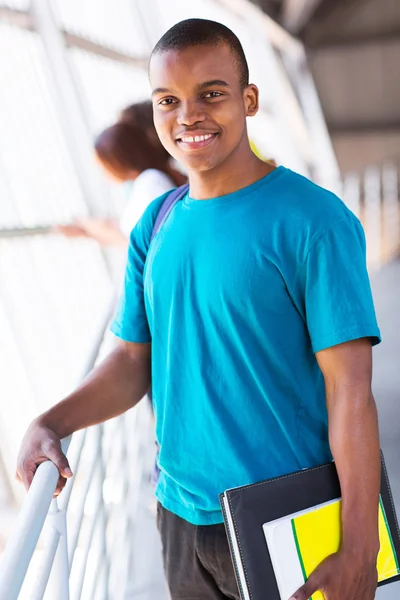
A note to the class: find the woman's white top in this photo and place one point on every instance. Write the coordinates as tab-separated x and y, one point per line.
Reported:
148	186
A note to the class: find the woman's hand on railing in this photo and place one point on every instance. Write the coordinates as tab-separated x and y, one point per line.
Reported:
39	445
105	231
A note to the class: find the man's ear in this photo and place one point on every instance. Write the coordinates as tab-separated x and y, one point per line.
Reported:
251	95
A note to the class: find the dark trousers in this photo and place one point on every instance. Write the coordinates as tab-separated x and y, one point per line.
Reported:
197	561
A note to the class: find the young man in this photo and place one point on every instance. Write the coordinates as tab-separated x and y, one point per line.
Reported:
253	305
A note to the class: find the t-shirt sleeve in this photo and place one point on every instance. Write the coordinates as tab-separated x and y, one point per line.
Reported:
337	297
130	322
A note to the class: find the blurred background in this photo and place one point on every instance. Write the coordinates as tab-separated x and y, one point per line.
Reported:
329	78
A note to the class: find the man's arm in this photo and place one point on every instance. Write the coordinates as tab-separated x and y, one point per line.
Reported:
354	441
116	385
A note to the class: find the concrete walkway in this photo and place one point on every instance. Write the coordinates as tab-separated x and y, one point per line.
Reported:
386	383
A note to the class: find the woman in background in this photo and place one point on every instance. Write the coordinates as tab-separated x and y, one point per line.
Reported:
141	115
129	152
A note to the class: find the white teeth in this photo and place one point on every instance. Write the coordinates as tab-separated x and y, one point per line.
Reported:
197	138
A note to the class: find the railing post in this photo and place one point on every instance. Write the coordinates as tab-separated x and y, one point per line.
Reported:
391	211
104	519
58	585
373	216
27	531
352	193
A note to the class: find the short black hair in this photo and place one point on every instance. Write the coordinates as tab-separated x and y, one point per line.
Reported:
201	32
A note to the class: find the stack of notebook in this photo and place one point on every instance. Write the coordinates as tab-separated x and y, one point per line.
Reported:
280	530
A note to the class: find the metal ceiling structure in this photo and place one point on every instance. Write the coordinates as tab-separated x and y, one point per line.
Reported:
353	48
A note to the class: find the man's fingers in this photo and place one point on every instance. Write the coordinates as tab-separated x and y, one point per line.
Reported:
26	472
54	453
60	486
39	445
306	590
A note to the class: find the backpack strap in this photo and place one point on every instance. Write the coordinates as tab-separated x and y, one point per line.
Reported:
173	198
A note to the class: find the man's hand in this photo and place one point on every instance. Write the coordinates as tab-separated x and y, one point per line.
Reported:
112	388
40	444
342	576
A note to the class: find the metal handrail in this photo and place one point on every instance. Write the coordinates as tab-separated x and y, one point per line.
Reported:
17	232
28	529
374	197
39	504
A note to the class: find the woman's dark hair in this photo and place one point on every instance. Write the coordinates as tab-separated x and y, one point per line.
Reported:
141	115
125	146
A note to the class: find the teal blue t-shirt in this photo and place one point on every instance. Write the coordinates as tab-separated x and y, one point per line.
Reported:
237	294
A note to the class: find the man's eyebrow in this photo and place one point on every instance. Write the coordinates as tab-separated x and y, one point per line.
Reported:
213	82
201	86
160	90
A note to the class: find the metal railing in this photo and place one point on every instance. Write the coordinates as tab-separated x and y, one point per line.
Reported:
61	548
31	520
374	197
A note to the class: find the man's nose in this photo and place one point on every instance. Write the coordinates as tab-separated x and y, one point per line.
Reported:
191	113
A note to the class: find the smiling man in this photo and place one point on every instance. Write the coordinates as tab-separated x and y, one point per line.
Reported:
252	310
214	95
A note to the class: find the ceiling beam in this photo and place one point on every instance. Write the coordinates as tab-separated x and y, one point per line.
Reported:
276	34
373	127
297	13
15	17
368	39
76	41
24	20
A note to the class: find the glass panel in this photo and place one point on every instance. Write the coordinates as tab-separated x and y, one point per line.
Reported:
55	293
106	86
114	24
37	176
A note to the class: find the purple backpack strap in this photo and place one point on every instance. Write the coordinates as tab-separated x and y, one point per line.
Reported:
173	198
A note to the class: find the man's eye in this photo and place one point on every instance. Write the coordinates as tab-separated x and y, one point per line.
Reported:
167	101
213	95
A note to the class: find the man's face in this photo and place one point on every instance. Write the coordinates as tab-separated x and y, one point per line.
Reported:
199	105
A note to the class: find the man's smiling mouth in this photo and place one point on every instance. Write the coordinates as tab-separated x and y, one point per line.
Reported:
194	142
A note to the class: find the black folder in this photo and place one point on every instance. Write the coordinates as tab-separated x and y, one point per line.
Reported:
246	509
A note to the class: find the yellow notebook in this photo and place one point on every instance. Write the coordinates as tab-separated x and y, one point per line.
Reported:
298	543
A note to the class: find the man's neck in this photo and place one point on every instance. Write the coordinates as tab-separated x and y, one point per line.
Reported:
228	178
